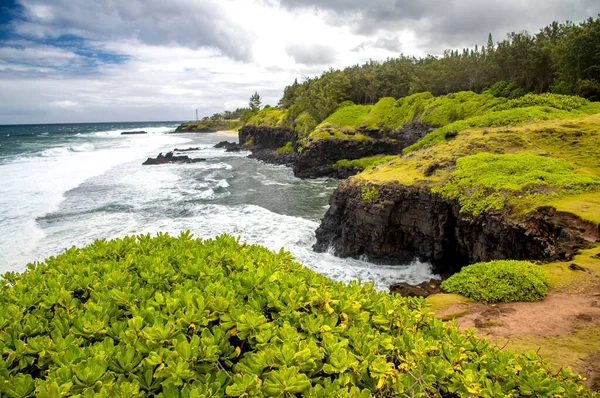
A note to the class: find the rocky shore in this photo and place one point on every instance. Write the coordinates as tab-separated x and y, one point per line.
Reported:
281	145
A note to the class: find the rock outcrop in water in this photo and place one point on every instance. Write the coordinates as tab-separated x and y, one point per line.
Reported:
403	223
170	158
186	149
133	132
229	146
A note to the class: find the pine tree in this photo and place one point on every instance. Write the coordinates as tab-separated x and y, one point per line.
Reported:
255	102
490	44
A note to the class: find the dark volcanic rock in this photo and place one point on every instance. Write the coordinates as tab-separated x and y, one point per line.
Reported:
577	267
133	132
229	146
170	158
317	159
402	223
186	150
431	169
423	289
274	157
266	137
451	134
263	142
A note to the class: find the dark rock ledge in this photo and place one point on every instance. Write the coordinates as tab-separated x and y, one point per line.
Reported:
403	223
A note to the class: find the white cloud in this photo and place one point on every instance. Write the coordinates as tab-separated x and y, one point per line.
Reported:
29	53
212	55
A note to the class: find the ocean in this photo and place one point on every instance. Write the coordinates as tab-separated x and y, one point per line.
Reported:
68	185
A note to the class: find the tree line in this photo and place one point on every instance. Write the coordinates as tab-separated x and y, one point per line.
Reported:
562	58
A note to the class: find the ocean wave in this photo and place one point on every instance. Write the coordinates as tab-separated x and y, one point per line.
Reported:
52	152
82	148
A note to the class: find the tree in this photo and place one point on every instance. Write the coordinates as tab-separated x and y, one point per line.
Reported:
255	102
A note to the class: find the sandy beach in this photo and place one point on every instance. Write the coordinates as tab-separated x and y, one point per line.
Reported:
227	133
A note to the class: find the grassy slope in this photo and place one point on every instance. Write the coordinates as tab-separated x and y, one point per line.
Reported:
542	163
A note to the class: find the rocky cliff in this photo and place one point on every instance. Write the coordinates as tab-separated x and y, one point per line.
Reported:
317	159
396	223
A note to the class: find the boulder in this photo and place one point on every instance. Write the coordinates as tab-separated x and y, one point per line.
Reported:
170	158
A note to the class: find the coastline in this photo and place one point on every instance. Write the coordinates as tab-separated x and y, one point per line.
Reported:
226	133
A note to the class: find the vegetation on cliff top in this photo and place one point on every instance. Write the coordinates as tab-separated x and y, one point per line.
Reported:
209	126
364	163
499	281
171	317
543	163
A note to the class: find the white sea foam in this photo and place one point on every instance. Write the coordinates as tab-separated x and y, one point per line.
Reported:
105	192
82	148
32	186
52	152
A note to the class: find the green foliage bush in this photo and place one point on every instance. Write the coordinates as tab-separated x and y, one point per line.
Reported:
288	147
504	89
369	192
481	182
556	101
499	281
182	317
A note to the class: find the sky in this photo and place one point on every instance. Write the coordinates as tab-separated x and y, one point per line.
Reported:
67	61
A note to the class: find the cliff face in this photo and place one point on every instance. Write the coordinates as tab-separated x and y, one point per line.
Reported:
263	137
402	223
317	158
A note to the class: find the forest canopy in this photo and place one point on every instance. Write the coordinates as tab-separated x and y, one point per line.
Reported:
562	58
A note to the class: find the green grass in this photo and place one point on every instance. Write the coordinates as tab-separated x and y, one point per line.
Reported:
459	106
329	131
499	281
487	111
365	163
563	150
271	117
485	181
169	317
349	116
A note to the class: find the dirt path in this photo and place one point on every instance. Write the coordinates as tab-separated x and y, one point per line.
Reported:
564	328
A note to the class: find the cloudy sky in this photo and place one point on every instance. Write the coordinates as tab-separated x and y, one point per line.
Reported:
142	60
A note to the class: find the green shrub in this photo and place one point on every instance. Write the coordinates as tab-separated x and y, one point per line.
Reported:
505	89
182	317
556	101
288	147
368	193
499	281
